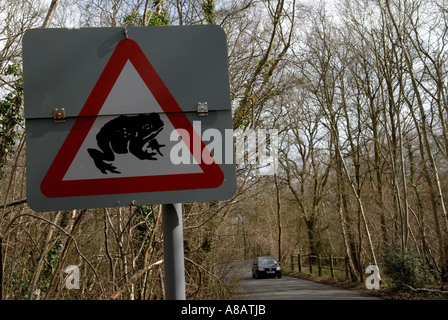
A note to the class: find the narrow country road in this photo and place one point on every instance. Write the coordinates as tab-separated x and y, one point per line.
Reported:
288	288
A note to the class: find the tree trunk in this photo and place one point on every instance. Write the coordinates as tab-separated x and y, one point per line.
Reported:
50	13
279	222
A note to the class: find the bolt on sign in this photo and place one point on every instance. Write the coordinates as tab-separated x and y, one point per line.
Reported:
112	114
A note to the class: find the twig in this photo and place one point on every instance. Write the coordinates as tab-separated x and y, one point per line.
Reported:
67	234
200	275
201	267
15	203
134	278
426	290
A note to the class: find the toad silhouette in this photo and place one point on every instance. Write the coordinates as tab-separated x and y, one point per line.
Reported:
127	134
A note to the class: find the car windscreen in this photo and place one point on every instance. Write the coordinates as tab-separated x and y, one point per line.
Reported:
266	261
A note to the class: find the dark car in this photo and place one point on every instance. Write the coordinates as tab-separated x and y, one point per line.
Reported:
266	267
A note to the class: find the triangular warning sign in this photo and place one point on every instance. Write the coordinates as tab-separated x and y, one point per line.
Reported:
102	133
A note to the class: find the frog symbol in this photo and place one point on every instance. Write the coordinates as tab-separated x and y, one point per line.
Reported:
127	134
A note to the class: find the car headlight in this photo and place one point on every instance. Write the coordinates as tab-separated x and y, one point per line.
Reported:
278	269
260	269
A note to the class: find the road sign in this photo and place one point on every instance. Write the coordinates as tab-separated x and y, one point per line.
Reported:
82	166
122	120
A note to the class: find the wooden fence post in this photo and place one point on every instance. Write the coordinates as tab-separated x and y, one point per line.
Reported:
319	266
346	268
310	261
331	266
299	263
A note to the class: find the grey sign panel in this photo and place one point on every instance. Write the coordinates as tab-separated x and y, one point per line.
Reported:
109	120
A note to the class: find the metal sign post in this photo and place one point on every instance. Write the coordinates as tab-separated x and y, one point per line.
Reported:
173	251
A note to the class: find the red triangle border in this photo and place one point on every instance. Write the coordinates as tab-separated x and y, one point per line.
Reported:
53	185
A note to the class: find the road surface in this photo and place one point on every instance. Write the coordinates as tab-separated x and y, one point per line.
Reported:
287	288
